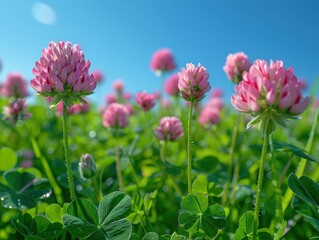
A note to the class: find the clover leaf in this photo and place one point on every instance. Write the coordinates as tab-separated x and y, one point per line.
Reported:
198	216
23	190
83	220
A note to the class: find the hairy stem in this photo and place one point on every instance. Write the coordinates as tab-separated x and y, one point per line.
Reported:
275	181
189	157
261	178
67	153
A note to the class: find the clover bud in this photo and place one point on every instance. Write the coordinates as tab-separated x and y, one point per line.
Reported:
87	166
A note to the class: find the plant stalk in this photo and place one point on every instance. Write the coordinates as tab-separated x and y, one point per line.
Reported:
302	164
233	163
261	178
189	157
276	183
97	190
118	163
163	157
56	188
67	153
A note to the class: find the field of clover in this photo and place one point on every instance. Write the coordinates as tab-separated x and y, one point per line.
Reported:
192	165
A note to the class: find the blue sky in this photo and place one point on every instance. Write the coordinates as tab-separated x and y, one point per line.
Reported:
119	37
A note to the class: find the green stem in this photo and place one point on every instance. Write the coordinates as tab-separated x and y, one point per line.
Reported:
261	177
275	181
97	190
149	125
284	172
163	157
233	163
134	173
176	106
189	157
302	164
163	151
118	163
56	188
128	154
67	153
141	221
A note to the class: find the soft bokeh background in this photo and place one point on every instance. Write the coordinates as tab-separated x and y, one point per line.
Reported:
119	37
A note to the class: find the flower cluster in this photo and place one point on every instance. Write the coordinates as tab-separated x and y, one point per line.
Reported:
269	92
210	114
145	100
63	74
115	116
110	98
171	85
118	86
169	129
235	65
15	111
98	76
193	82
119	96
162	61
15	86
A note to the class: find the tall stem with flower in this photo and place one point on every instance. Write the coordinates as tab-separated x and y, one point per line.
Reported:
193	85
271	94
63	74
162	61
67	153
146	101
116	117
189	153
170	129
234	67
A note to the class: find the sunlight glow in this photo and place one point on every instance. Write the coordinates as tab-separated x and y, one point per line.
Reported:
43	13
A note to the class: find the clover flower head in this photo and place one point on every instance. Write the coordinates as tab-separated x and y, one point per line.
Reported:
115	116
235	65
15	86
269	92
193	82
145	100
169	129
162	61
171	85
63	74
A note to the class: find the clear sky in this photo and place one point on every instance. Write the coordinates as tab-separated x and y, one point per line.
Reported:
120	36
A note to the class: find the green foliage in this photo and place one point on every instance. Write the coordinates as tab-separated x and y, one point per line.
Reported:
305	188
38	227
286	147
201	185
174	236
151	236
198	216
307	210
23	190
246	228
83	220
155	187
281	230
8	159
54	212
